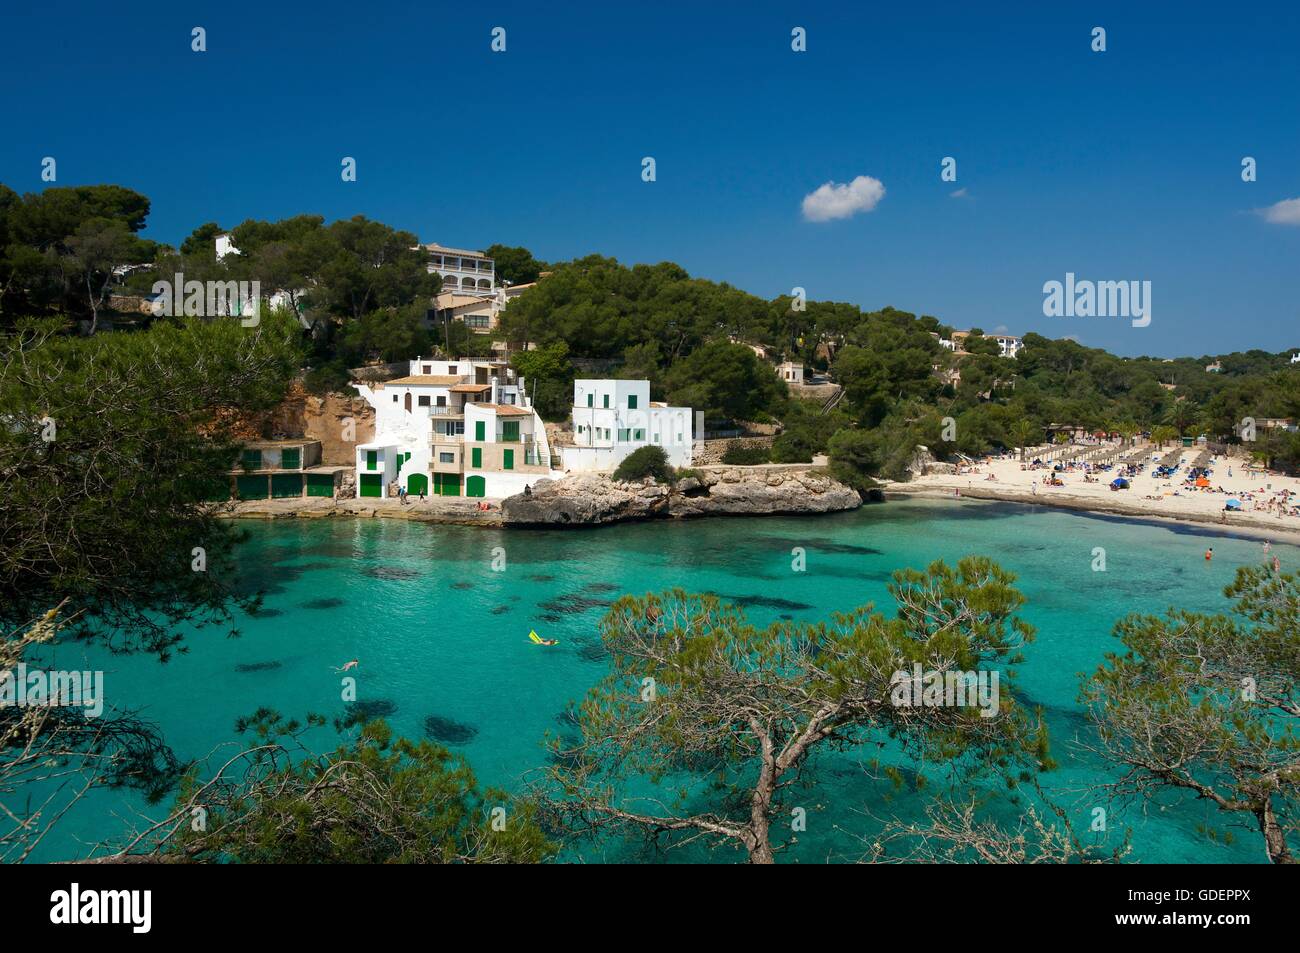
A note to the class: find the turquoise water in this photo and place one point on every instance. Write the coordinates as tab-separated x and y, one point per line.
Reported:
439	634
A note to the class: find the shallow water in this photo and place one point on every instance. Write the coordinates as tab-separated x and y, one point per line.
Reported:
442	640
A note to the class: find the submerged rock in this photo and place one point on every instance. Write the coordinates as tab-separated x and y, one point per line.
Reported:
448	730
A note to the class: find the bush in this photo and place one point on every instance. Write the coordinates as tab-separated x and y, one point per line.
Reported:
647	461
740	455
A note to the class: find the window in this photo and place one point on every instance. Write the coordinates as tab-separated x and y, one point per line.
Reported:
291	458
428	368
480	430
394	398
590	399
372	458
424	400
638	435
507	459
606	400
446	457
451	369
252	459
631	401
510	431
476	458
622	435
442	400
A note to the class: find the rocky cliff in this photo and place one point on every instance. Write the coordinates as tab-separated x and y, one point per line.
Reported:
593	499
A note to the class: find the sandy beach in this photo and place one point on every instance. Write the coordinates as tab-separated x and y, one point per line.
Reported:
1268	500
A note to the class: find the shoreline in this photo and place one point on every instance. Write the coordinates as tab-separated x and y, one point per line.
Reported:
1239	524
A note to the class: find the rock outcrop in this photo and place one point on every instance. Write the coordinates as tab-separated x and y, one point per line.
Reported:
594	499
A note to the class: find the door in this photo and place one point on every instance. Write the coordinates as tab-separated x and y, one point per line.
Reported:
320	484
510	431
507	459
371	484
286	485
475	486
417	483
407	402
251	487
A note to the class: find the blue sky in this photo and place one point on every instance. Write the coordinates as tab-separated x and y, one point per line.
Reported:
1122	165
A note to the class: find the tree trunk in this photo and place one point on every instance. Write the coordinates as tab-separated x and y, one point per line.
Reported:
1274	835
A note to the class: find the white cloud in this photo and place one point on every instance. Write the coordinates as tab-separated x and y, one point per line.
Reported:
1285	212
832	201
960	193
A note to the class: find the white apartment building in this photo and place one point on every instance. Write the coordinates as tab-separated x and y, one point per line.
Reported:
1010	344
612	418
463	271
453	428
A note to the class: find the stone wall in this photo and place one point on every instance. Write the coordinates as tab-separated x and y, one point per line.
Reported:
710	452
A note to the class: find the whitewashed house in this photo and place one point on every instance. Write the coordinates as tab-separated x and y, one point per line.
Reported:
453	428
612	418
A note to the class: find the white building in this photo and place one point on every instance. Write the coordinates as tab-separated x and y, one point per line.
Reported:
790	372
612	418
1295	358
453	428
463	271
277	298
1009	343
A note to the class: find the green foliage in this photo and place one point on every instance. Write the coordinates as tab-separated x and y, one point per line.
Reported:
549	378
376	800
514	265
114	444
738	710
1204	705
724	380
647	461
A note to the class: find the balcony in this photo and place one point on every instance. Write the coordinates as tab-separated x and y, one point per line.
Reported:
447	439
447	412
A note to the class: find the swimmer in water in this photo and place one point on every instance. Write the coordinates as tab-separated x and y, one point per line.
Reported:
1209	554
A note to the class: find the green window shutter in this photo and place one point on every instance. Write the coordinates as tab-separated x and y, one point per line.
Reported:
606	400
591	400
640	435
479	433
252	459
291	458
476	458
372	458
631	401
508	459
510	430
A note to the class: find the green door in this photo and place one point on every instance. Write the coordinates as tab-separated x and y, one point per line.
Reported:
371	484
476	486
507	459
251	487
320	484
286	485
510	431
446	484
417	483
479	433
291	458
